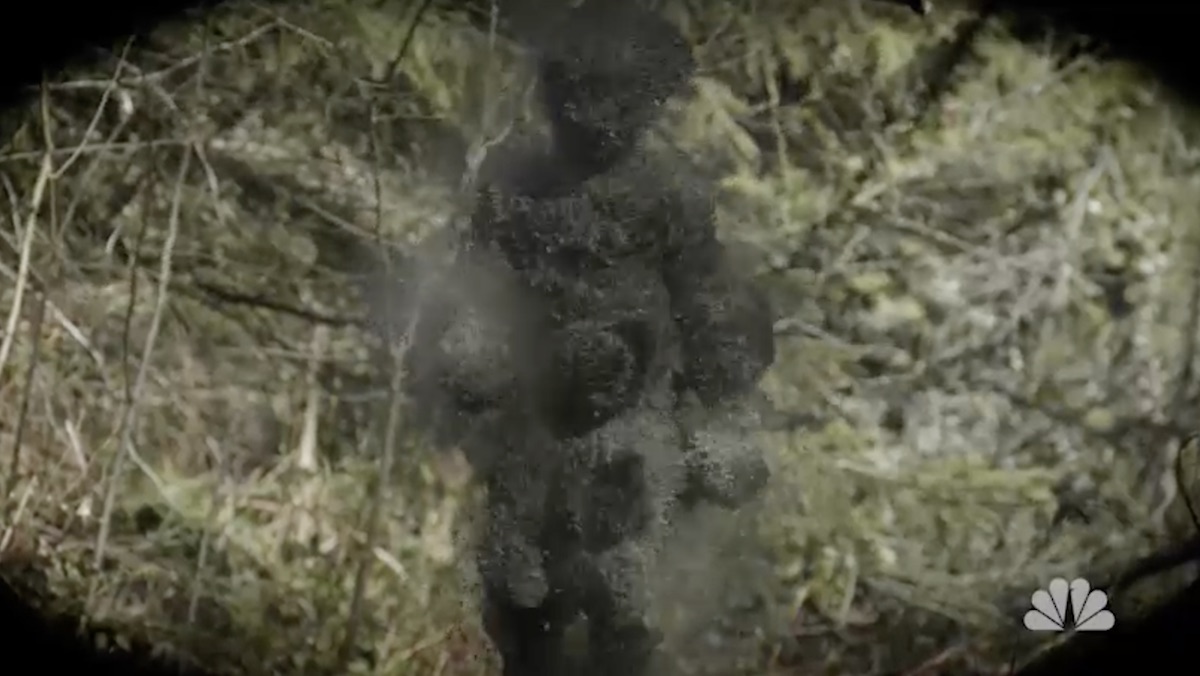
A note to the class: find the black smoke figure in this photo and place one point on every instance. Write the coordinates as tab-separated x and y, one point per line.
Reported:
589	350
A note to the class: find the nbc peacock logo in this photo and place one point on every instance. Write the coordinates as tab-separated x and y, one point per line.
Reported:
1073	605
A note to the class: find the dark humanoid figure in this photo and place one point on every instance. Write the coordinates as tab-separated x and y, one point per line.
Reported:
589	350
591	347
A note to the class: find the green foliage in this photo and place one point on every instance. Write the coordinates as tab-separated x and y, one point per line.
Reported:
985	307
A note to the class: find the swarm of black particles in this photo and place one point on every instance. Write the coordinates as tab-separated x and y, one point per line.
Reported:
590	348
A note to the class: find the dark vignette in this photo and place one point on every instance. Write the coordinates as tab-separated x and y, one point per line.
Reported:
47	35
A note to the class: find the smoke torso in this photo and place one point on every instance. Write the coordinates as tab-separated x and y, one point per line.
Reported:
590	256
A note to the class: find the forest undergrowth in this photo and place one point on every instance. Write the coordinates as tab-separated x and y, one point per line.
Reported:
982	251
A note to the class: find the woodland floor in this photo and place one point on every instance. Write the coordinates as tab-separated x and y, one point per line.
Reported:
983	251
